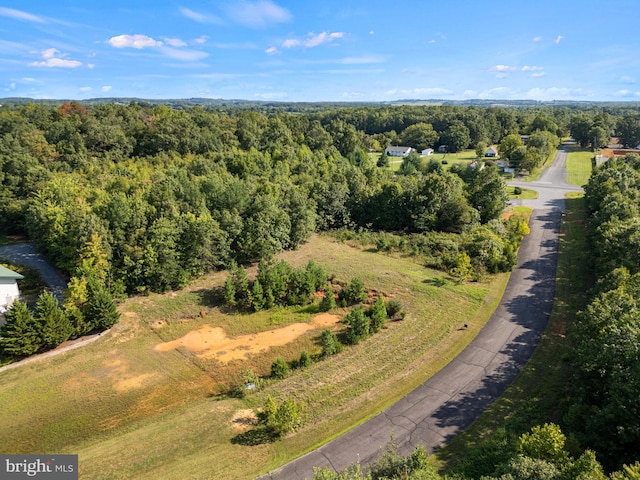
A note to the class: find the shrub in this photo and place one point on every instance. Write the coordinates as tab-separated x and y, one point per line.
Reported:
279	368
393	307
305	359
328	302
354	292
330	343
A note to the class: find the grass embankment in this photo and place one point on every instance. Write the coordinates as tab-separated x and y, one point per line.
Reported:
579	166
537	394
132	411
525	193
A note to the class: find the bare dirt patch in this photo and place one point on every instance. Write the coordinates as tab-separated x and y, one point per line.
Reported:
212	342
244	419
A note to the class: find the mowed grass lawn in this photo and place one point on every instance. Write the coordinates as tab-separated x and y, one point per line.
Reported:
465	156
131	411
579	166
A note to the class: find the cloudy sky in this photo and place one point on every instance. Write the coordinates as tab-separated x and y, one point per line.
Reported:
329	50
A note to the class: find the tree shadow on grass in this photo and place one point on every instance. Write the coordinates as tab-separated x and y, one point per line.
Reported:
256	436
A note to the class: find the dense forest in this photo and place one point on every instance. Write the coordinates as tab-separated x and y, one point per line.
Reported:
162	195
133	198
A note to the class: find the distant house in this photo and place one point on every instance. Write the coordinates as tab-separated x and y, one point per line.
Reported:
491	152
394	151
474	164
524	138
9	291
427	152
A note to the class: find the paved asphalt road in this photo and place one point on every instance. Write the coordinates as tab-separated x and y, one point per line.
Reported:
435	412
26	254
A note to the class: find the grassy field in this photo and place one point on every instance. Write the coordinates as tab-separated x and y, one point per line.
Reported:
536	395
526	193
466	156
132	411
579	166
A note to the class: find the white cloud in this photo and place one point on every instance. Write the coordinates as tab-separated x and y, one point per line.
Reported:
627	80
536	71
187	55
272	51
52	60
271	95
200	17
470	93
20	15
430	92
175	42
362	60
106	88
258	14
49	53
502	68
537	39
201	40
312	40
371	32
91	66
556	93
85	89
496	93
558	39
133	41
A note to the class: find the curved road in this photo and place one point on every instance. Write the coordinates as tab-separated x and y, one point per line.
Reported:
447	403
27	254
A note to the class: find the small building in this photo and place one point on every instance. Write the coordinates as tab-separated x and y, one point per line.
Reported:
396	151
442	149
9	291
427	152
491	152
524	138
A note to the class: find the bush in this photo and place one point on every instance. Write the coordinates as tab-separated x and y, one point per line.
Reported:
279	368
328	302
354	292
305	359
517	191
330	343
393	307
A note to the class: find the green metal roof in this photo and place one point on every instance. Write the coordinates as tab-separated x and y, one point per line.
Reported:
6	273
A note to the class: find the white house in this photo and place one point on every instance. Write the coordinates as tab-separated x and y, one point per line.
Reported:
427	152
394	151
491	152
9	291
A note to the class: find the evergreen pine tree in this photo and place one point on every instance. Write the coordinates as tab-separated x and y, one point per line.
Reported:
328	302
19	335
257	296
378	315
330	343
358	326
100	311
53	324
230	292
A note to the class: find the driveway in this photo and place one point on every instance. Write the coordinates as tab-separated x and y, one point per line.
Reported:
447	403
26	254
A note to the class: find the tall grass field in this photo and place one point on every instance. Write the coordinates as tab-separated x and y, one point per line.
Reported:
131	410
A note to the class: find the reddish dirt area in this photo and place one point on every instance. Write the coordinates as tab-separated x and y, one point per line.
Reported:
213	342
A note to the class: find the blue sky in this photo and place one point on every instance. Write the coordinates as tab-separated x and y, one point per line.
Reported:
330	50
